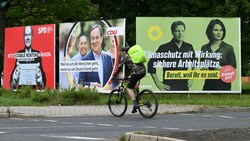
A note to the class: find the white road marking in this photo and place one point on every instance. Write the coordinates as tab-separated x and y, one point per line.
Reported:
2	132
191	129
225	117
87	123
50	120
207	115
16	118
167	128
41	127
128	126
107	125
187	114
148	127
34	120
73	137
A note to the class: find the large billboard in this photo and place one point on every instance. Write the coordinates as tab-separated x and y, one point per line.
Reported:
89	53
191	54
29	57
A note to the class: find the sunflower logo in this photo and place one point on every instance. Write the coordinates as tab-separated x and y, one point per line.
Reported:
154	33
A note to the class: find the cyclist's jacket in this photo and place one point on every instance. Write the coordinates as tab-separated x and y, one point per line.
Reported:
130	67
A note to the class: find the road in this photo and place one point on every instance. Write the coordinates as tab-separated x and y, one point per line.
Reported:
109	127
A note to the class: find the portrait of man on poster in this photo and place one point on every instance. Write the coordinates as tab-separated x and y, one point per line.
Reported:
28	68
177	46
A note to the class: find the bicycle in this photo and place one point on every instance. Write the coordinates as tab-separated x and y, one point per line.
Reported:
118	104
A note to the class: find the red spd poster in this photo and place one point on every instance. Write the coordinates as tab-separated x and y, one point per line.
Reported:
29	57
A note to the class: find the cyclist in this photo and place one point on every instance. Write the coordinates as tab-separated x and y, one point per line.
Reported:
135	72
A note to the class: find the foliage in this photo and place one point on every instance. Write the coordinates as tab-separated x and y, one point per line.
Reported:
32	12
82	97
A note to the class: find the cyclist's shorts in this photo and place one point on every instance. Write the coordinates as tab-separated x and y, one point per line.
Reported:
134	78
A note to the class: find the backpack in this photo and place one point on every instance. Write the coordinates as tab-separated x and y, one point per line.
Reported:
136	54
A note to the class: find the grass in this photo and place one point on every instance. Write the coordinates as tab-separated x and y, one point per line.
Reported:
26	96
242	100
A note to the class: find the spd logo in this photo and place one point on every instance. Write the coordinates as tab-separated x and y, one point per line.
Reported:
44	30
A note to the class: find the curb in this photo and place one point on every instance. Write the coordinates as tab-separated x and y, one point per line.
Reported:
4	112
226	109
140	137
4	115
72	111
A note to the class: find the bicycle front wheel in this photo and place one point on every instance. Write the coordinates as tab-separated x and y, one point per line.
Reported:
117	103
148	103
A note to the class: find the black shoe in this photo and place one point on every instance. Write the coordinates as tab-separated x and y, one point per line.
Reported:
135	106
134	109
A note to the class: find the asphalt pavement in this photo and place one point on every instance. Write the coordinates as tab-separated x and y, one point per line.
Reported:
102	110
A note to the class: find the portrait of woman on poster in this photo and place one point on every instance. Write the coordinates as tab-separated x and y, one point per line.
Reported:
216	32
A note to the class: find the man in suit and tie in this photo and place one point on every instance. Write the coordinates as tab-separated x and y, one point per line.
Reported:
32	57
97	78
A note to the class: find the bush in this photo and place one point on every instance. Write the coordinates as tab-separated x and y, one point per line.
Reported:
4	92
246	88
79	97
25	92
39	97
28	96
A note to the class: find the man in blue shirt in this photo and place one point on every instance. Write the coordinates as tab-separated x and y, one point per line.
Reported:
82	47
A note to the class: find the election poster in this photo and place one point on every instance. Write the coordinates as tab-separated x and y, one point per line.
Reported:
191	54
89	53
29	57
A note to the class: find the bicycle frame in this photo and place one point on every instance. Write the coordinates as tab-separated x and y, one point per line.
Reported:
123	86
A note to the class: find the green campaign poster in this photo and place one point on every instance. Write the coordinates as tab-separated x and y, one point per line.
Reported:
191	54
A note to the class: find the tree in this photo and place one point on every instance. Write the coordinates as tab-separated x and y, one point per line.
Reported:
34	12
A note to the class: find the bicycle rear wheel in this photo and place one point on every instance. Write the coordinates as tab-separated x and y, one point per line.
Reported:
148	103
117	103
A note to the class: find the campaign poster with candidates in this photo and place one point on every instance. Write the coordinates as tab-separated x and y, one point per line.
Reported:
29	57
191	54
89	53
